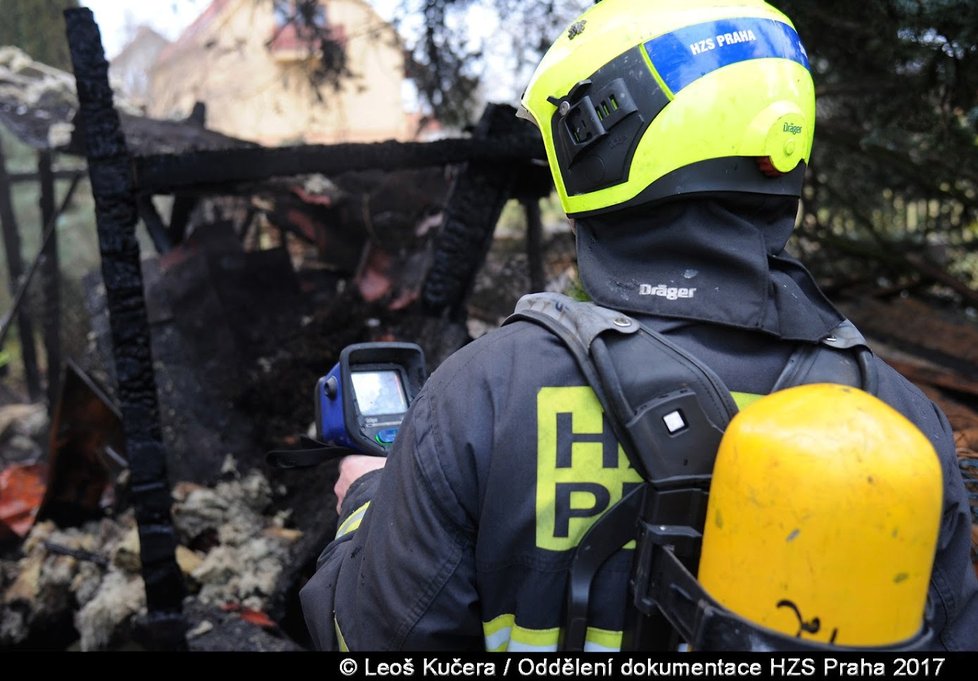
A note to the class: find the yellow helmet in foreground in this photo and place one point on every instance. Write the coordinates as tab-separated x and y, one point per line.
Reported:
823	518
641	101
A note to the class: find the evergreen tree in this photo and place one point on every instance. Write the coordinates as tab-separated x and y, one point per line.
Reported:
38	28
893	191
892	195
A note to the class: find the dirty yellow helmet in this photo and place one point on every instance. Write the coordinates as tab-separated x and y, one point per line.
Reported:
823	518
643	100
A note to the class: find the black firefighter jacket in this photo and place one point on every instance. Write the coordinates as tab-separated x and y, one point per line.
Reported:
470	528
463	541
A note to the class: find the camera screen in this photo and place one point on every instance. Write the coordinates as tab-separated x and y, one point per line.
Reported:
379	392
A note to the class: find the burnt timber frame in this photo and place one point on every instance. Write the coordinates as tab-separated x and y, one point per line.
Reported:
50	277
210	169
476	200
116	215
497	158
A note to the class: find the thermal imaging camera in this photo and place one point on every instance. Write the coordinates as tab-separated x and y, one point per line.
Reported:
361	402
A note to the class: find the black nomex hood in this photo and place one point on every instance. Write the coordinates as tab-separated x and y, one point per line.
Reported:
720	260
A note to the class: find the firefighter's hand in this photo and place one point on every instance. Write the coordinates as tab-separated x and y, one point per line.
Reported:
351	468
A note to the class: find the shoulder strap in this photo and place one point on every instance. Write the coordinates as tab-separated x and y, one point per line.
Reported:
666	408
841	357
668	412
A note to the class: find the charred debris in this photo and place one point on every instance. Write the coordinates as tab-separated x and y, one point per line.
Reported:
136	508
141	511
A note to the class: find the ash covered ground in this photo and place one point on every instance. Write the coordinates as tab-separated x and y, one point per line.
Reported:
239	342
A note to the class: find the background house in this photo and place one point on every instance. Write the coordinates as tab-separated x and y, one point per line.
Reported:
130	68
250	66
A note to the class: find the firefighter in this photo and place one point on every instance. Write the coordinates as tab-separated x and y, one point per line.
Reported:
678	135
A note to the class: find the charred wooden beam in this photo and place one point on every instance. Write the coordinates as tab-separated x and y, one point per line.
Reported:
115	210
15	269
155	226
534	243
471	213
183	206
50	277
160	174
247	224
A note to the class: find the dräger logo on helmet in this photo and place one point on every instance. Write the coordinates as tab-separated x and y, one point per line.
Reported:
667	292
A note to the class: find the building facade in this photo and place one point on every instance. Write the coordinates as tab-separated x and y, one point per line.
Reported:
250	65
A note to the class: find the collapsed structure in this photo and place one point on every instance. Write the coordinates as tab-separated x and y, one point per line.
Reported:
369	242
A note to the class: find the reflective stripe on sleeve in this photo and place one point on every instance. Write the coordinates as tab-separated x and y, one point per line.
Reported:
352	522
502	634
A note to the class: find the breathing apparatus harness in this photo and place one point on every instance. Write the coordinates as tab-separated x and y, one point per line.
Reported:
670	420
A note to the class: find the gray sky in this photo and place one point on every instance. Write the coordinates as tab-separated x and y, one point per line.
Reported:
117	18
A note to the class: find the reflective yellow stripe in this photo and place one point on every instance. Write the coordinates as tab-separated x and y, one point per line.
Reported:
502	634
339	637
602	640
533	640
352	522
743	399
497	632
655	74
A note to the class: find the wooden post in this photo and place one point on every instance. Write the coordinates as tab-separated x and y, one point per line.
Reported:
183	206
15	268
534	243
471	213
50	278
110	172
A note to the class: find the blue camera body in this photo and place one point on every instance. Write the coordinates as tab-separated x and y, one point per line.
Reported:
361	402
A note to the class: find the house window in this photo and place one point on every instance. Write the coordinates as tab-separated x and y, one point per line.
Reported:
299	28
283	13
315	18
300	14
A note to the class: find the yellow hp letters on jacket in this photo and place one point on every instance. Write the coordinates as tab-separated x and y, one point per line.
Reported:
581	469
